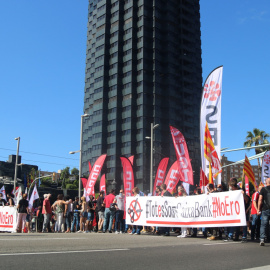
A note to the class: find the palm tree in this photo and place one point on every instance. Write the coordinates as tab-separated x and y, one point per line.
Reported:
258	137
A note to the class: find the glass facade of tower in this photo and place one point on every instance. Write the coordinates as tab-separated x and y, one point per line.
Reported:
143	66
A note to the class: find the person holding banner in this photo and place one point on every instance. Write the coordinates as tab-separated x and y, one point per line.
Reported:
182	192
119	215
136	229
233	186
264	210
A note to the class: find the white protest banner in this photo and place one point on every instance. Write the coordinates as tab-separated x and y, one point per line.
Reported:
213	210
8	219
211	112
265	167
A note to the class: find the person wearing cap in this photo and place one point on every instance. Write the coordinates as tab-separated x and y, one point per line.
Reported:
46	211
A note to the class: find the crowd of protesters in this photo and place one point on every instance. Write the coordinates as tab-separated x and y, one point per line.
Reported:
107	214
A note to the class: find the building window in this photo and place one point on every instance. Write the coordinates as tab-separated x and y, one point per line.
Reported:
114	34
99	69
128	20
96	124
98	101
113	65
126	120
127	52
114	87
111	134
128	31
129	96
111	122
111	145
100	58
100	48
112	99
100	79
115	14
125	64
101	8
128	108
112	110
128	10
101	17
113	55
101	27
114	24
127	85
115	4
98	90
126	132
127	74
114	44
114	76
127	41
100	37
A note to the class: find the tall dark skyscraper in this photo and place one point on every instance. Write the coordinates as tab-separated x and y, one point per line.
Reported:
143	66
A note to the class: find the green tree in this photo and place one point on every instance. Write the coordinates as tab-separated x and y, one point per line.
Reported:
75	172
64	176
257	137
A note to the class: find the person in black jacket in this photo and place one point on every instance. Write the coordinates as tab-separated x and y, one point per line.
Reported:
23	210
264	210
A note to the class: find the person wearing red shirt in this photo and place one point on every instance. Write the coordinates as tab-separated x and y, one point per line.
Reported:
46	211
109	214
256	221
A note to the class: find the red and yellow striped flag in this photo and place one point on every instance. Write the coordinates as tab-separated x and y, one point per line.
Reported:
211	155
249	173
261	184
208	144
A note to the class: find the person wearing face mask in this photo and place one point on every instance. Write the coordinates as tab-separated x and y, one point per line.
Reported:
119	214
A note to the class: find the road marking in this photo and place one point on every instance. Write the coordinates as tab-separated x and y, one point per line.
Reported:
214	244
38	239
64	252
266	267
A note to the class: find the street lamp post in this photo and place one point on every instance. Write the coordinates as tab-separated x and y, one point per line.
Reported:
151	155
16	162
80	151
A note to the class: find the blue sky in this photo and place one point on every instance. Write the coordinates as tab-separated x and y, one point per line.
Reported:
42	61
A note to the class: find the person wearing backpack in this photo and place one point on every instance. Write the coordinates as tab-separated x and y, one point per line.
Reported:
264	210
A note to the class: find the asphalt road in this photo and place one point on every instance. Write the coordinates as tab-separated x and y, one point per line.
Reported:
111	251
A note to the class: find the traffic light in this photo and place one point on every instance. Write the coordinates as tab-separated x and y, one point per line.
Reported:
53	176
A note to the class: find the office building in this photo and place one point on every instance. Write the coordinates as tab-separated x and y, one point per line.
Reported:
143	66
